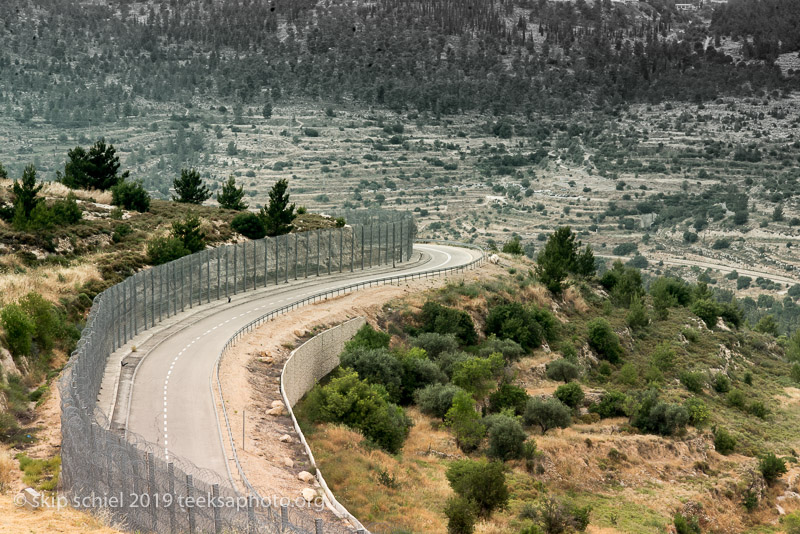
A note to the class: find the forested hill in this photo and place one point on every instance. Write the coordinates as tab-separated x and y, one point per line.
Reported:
80	62
774	25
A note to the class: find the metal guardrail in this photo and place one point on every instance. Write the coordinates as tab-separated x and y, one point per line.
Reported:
324	295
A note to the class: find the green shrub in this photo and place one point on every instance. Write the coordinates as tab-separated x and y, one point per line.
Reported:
443	320
612	404
513	247
562	370
604	340
547	414
724	442
19	329
476	374
435	344
637	317
722	384
624	283
657	417
480	482
461	515
362	406
758	409
736	399
698	412
707	310
130	195
48	323
368	338
65	212
189	232
249	225
692	381
162	250
465	422
506	438
417	372
510	349
436	399
508	396
771	467
376	366
628	374
528	326
449	361
791	523
686	525
570	394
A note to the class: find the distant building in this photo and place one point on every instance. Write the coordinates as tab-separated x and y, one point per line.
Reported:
686	7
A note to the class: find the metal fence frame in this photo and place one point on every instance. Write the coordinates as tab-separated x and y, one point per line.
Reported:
99	464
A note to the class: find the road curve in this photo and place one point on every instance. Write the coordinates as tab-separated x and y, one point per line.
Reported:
171	403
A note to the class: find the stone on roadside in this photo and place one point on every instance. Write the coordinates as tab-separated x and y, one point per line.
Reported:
305	476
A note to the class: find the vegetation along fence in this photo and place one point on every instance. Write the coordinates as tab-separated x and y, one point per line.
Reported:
128	476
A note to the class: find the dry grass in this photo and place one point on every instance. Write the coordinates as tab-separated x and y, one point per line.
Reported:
48	520
415	503
52	282
57	190
574	300
7	469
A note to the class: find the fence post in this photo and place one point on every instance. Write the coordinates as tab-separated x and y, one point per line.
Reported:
394	249
255	266
217	518
114	321
266	260
386	259
400	240
296	263
160	292
341	249
180	284
380	231
308	244
371	226
135	318
251	517
151	489
286	263
171	486
144	298
124	313
319	238
191	282
318	526
227	292
330	248
284	517
152	297
352	247
362	247
235	267
277	257
190	503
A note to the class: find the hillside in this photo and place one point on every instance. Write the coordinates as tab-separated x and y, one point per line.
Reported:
629	461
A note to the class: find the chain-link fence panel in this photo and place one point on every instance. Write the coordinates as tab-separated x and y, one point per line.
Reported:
136	481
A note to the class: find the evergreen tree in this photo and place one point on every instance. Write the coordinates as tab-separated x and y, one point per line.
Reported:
24	192
278	214
190	188
560	257
189	232
267	111
3	173
97	168
231	197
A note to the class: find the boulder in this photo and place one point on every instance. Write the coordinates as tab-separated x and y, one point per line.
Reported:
7	364
286	438
309	494
306	477
288	461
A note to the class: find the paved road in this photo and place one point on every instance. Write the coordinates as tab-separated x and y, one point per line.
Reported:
171	402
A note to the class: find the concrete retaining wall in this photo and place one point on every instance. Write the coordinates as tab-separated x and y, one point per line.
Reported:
307	364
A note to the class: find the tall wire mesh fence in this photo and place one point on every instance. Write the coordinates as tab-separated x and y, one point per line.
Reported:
130	477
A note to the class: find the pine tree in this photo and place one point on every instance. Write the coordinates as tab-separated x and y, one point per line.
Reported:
267	111
190	188
560	257
189	232
231	197
278	214
24	192
3	173
97	168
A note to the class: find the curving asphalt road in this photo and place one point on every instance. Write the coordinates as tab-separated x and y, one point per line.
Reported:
171	403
